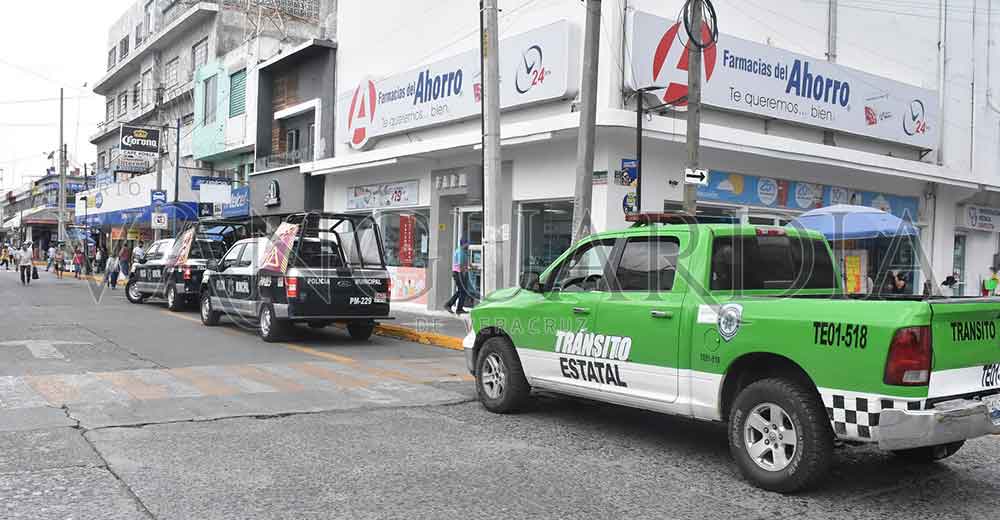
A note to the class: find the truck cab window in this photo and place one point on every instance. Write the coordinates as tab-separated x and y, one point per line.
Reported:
584	269
648	264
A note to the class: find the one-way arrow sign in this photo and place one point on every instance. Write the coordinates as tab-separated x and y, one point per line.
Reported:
695	176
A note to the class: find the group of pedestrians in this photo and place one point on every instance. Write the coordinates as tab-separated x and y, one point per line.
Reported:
20	259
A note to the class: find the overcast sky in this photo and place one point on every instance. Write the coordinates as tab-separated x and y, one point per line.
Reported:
44	45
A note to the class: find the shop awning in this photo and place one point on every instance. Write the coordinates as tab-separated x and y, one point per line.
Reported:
15	221
846	222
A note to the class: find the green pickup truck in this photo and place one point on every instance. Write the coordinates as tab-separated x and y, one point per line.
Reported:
745	324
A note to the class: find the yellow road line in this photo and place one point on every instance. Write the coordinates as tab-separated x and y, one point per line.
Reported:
426	338
205	383
342	380
133	386
267	378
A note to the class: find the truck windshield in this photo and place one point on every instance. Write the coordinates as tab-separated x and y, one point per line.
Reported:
749	262
207	250
337	242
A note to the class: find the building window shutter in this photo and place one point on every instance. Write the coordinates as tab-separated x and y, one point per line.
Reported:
238	93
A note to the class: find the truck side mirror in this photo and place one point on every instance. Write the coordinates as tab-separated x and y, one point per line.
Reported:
214	265
529	281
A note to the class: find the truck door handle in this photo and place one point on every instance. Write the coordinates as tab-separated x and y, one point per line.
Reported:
581	310
661	314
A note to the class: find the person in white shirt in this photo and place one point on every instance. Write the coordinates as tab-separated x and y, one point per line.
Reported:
138	253
24	263
51	257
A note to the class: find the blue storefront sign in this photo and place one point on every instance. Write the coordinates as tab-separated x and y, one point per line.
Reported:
197	181
750	190
158	197
182	211
240	207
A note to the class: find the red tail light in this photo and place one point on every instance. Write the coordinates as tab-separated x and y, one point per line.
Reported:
187	273
770	232
910	354
291	287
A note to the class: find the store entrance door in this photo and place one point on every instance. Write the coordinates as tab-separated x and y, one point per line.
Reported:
469	226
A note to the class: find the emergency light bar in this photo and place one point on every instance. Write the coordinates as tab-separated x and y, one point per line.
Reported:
663	217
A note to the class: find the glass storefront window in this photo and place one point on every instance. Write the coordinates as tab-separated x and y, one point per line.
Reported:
546	231
405	237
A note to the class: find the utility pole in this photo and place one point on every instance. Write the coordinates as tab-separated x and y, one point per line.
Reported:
583	194
159	172
831	53
694	106
177	172
61	228
493	276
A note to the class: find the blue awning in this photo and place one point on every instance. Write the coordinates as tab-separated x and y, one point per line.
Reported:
846	222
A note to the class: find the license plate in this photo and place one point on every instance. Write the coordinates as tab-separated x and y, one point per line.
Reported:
993	408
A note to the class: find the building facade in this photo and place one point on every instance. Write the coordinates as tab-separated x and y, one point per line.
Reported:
896	122
188	69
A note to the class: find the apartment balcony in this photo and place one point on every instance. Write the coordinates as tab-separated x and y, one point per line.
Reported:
284	159
163	36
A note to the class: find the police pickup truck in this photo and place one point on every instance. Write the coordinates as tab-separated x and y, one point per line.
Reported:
172	268
317	268
746	325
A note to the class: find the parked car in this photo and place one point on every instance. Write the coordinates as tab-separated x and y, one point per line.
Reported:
748	325
172	268
317	268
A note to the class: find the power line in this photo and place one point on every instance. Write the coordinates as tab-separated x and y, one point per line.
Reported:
41	100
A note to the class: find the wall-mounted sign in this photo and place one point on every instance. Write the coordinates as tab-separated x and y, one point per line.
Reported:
273	197
158	197
139	141
537	66
158	220
980	218
749	77
198	180
628	174
750	190
239	205
386	195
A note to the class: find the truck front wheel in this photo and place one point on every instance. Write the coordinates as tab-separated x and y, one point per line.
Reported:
929	453
779	435
500	380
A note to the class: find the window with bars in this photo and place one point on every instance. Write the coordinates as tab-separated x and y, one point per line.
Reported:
211	99
123	103
109	109
112	54
123	47
138	35
238	93
199	54
137	94
170	72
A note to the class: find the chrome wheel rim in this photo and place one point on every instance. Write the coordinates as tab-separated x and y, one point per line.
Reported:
171	296
769	437
265	322
206	308
133	291
493	376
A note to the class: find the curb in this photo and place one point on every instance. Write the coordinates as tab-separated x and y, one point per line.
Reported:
381	329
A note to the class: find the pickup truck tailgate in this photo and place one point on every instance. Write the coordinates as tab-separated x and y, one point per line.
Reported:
329	293
966	347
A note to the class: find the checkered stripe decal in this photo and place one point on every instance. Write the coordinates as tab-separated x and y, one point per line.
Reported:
856	416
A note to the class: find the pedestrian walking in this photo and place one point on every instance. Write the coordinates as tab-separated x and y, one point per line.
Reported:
123	257
59	262
5	258
139	252
51	257
99	260
459	266
111	269
77	263
24	263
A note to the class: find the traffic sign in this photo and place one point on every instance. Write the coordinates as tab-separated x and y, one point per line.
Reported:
159	220
695	176
158	197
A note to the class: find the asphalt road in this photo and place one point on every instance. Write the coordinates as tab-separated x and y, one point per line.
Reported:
113	410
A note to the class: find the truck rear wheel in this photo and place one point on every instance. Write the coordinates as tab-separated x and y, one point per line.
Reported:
172	303
928	454
779	435
132	293
500	381
271	328
209	316
360	330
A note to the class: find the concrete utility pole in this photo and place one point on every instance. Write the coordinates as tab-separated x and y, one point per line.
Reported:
159	173
583	194
694	107
61	228
493	276
831	52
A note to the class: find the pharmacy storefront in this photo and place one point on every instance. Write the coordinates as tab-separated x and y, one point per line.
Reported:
409	150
